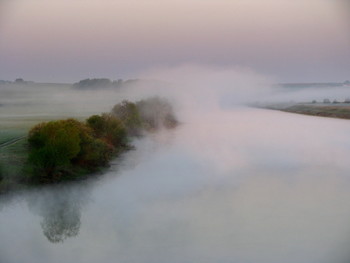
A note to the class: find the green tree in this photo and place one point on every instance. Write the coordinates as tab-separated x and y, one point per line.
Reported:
63	149
53	145
129	114
156	113
109	129
93	154
93	151
60	149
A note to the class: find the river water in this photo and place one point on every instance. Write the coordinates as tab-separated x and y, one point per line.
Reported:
245	185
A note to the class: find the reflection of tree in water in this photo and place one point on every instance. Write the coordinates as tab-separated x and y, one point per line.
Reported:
61	221
60	208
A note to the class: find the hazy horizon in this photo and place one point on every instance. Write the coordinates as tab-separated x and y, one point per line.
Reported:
231	183
65	41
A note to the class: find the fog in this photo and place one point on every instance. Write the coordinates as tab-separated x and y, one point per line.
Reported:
230	184
340	93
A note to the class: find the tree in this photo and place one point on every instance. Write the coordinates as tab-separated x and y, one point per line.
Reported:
58	149
93	151
156	113
93	83
149	114
19	80
53	145
129	114
109	129
65	149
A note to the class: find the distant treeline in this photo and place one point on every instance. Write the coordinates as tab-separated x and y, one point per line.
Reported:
314	85
69	149
102	83
17	81
328	101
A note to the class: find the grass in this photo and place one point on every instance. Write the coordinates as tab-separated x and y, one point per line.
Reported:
12	162
341	111
334	111
7	135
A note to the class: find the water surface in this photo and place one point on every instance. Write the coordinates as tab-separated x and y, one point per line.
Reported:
245	185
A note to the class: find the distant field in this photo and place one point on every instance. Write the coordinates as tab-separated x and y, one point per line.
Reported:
12	163
10	134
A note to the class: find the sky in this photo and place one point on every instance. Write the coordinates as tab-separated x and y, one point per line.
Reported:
65	40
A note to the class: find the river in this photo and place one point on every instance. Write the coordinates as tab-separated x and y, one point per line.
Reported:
246	185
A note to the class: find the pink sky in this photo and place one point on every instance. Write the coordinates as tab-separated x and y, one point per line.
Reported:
65	40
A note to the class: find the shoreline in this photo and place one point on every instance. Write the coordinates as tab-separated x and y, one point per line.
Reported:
330	111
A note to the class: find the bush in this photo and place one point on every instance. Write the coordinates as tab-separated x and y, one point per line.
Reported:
96	153
58	149
150	114
129	114
53	145
109	129
156	113
62	149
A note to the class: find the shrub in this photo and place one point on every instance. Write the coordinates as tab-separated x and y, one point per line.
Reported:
149	114
59	148
156	113
53	145
109	129
129	114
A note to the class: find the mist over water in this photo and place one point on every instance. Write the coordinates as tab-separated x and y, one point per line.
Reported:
230	184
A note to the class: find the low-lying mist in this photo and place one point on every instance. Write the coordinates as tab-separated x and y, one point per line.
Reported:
230	184
190	87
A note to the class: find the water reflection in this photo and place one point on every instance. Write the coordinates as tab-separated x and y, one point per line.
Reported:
60	208
61	222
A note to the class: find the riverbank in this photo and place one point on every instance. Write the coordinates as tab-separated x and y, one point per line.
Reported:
341	110
68	149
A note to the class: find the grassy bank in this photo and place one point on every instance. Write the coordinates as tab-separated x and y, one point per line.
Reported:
12	164
341	111
14	149
69	149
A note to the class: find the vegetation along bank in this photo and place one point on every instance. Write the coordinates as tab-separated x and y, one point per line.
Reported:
65	150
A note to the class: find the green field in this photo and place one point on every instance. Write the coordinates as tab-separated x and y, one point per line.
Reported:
12	161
